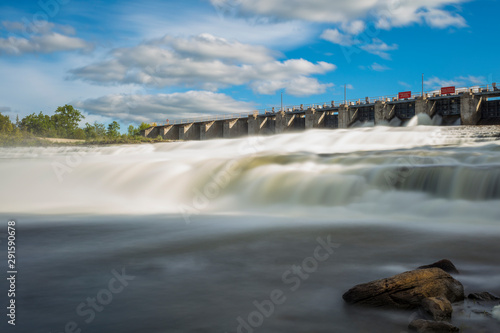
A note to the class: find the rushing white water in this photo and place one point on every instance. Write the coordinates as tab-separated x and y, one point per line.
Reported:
209	228
371	170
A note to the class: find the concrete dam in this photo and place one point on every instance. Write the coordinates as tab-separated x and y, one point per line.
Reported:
473	106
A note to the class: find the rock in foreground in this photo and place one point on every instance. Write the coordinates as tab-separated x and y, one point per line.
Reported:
439	308
445	264
406	290
426	326
485	296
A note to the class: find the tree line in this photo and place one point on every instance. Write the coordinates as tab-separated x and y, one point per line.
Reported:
64	124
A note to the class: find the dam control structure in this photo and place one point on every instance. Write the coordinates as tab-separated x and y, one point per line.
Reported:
473	106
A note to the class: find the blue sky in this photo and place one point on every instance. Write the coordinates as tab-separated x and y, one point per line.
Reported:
155	60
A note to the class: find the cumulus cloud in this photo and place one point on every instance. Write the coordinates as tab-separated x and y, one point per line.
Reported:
5	109
423	11
371	45
53	42
203	61
300	86
351	18
442	19
42	38
387	13
337	37
354	27
206	46
379	48
460	81
158	108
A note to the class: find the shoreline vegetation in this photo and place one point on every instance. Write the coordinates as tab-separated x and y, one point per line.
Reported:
61	129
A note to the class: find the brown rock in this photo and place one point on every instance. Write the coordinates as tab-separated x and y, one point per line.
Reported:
406	290
444	264
439	308
427	326
485	296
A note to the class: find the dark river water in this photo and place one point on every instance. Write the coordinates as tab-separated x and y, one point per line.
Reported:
249	235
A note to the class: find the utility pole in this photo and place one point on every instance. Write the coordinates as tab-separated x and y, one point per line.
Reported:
345	94
422	85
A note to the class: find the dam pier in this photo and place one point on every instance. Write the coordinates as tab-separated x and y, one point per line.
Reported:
472	106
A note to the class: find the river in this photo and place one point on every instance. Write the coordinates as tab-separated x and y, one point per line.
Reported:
259	234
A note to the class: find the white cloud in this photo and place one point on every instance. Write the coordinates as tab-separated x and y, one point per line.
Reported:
404	84
158	108
49	43
43	82
350	17
354	27
37	27
41	39
299	86
378	67
474	79
336	37
362	42
460	81
206	46
270	33
204	61
387	13
442	19
379	48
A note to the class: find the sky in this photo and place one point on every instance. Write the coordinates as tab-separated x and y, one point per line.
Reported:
148	61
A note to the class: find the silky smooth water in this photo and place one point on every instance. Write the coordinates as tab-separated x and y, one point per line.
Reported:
209	233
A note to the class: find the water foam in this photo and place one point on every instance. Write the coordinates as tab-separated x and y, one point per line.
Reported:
356	168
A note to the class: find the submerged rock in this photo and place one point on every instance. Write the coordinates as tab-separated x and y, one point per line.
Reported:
428	326
482	313
485	296
439	308
445	264
406	290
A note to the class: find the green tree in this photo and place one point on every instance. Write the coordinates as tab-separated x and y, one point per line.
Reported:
94	131
79	134
89	131
6	125
66	120
100	129
132	130
143	126
40	125
113	130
